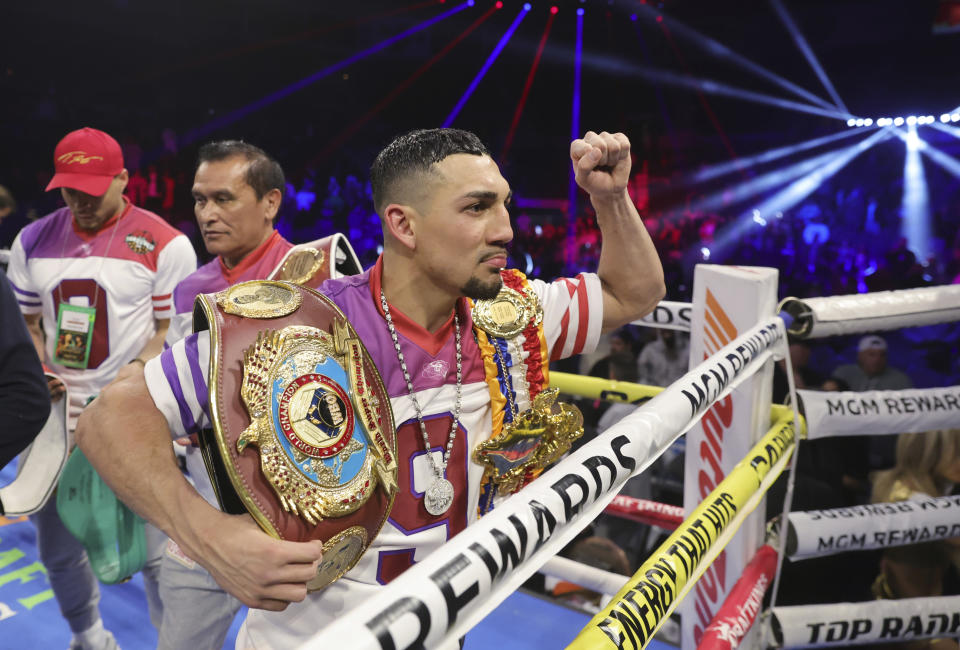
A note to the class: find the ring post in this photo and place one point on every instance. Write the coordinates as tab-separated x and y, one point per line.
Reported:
726	301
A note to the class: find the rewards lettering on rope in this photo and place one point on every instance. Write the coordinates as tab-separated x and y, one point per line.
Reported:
407	622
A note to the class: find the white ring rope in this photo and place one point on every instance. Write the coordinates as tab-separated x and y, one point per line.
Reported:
605	582
817	533
879	412
871	312
848	624
668	315
441	598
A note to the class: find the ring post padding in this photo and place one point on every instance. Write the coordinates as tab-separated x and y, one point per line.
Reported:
739	611
845	625
880	412
635	614
872	312
440	598
816	533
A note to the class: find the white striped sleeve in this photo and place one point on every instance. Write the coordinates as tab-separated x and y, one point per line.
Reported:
572	314
177	381
19	276
175	262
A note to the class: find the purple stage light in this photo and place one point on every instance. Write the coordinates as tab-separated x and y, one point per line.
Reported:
240	113
502	43
574	134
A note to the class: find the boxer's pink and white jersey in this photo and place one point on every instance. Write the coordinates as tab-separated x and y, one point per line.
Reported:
573	313
126	271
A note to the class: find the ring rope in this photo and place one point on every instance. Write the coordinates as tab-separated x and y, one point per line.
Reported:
643	511
605	582
843	625
635	614
871	312
879	412
818	533
440	598
612	390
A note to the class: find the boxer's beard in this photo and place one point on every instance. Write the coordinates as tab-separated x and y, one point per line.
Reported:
476	289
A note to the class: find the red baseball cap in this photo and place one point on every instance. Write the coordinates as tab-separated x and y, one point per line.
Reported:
86	160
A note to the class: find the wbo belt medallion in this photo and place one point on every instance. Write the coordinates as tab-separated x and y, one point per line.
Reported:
322	456
303	430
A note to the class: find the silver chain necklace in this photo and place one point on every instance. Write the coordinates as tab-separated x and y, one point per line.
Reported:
439	496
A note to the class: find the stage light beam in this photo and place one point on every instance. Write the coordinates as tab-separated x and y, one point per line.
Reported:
721	51
797	191
715	171
502	43
801	42
356	125
511	132
272	98
915	204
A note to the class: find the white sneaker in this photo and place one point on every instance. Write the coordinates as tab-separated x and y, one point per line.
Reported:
95	637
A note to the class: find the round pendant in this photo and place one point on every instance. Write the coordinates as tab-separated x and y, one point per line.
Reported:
438	497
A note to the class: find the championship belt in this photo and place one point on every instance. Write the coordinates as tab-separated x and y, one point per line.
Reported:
302	430
312	263
509	331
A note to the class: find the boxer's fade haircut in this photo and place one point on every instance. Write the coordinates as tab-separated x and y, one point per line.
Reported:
263	174
414	153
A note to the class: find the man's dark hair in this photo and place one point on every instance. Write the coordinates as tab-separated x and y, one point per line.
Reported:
415	152
263	173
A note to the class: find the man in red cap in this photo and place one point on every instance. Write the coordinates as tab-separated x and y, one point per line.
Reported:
94	281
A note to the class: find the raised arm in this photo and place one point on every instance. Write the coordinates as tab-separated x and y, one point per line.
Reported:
629	268
127	440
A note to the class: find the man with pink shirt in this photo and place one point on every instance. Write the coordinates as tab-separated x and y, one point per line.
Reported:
237	192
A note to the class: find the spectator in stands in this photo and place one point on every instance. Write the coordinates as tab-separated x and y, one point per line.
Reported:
871	372
665	359
621	349
927	465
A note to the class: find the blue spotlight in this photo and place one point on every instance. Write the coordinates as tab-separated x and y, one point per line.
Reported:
945	118
580	11
955	117
912	119
851	122
740	192
868	122
808	53
915	226
792	194
898	121
720	169
526	6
